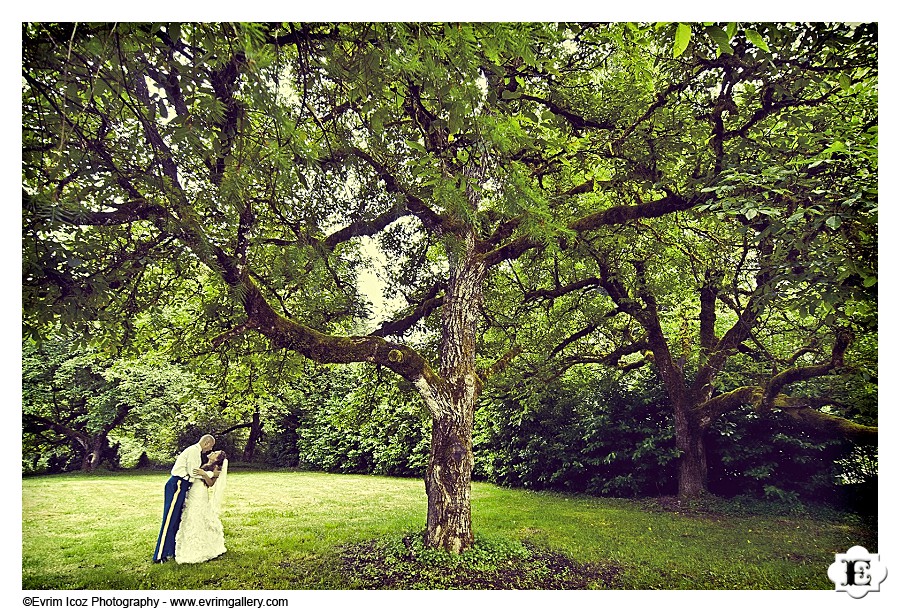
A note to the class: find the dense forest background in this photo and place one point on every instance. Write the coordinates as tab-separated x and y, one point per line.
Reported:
590	432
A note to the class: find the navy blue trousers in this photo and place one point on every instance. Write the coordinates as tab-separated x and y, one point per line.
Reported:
175	492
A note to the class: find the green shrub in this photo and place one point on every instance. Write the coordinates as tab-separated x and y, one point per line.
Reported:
603	438
353	423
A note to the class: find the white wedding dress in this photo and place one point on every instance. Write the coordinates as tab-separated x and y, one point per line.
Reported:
200	536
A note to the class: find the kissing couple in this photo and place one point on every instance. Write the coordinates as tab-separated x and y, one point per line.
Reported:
191	531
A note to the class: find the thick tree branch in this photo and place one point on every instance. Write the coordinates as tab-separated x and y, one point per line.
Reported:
130	212
234	428
618	215
366	228
802	409
710	410
151	133
121	414
169	82
425	307
769	107
835	426
742	329
649	318
577	121
324	348
430	219
708	294
559	291
225	83
661	98
780	381
501	364
611	359
76	436
435	136
585	331
801	352
615	215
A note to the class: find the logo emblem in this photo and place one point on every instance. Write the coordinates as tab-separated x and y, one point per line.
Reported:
857	572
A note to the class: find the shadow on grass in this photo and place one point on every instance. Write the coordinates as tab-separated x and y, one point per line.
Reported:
405	563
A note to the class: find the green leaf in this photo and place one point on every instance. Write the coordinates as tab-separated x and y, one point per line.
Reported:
833	222
837	146
721	39
870	281
415	144
755	37
844	81
682	38
731	29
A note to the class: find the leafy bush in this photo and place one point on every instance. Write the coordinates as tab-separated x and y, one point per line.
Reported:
608	436
770	456
350	422
592	435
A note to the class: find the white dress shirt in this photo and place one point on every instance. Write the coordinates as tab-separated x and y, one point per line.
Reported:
187	462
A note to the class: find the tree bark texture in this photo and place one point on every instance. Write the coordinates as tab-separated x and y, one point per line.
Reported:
452	405
692	466
448	483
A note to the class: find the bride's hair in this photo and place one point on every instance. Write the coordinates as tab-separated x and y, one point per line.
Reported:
217	463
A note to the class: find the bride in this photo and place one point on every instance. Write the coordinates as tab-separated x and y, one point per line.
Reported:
200	536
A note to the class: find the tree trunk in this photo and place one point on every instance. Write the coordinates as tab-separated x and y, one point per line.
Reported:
96	455
692	467
452	405
253	438
101	451
87	460
448	485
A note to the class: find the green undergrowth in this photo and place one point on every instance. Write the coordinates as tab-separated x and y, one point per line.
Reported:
405	563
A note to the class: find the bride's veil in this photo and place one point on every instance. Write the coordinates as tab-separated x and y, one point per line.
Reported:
218	491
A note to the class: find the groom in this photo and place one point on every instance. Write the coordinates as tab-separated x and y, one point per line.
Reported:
175	492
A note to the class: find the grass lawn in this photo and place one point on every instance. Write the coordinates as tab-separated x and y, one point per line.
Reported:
301	530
